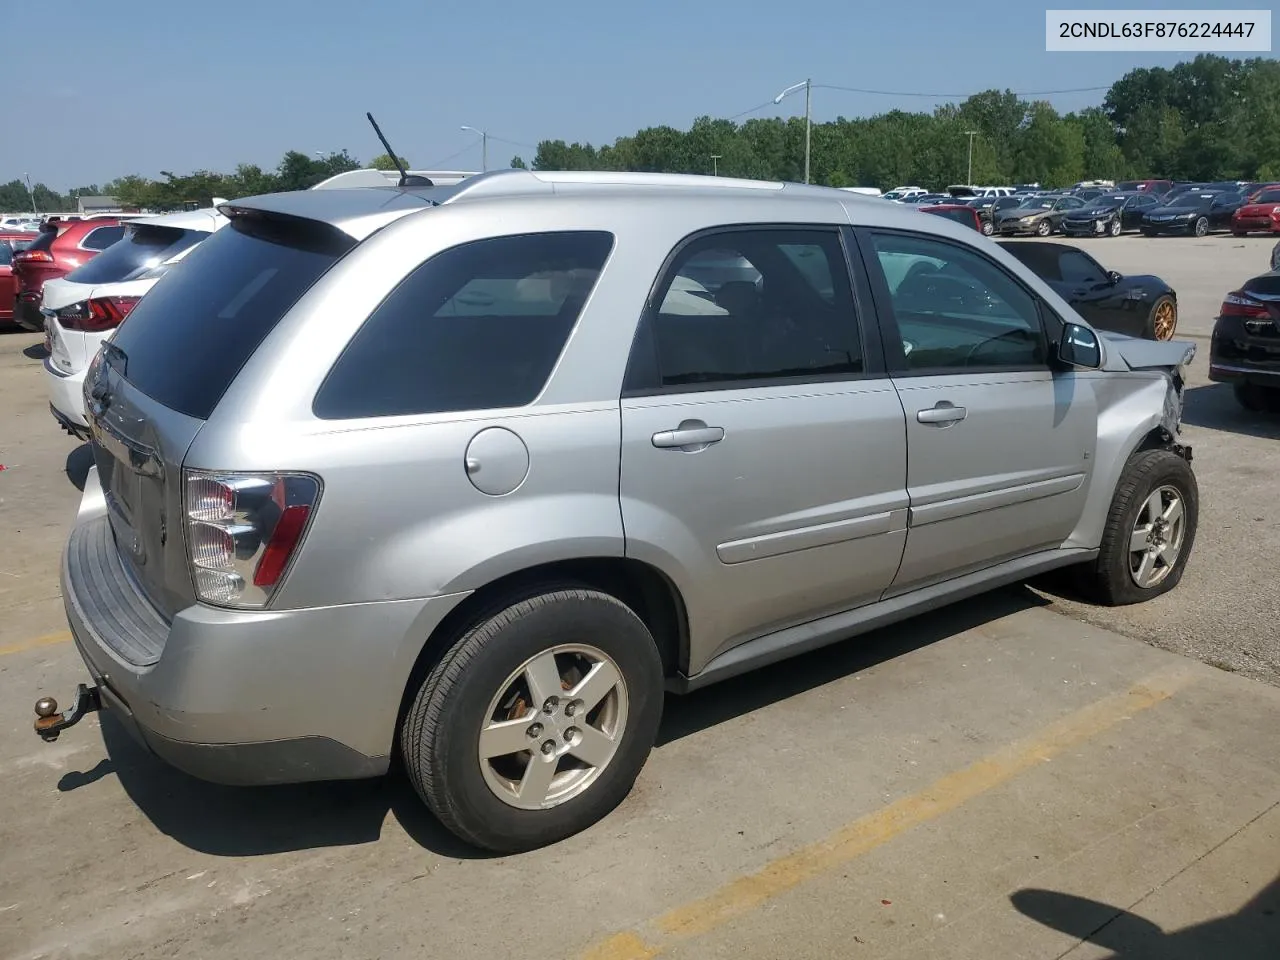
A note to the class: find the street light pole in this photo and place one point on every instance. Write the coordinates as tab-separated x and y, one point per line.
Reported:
484	146
715	164
31	193
971	134
808	116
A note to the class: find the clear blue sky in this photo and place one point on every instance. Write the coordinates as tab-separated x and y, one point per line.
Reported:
185	84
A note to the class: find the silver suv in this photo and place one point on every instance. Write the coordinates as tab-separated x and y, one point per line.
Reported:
475	473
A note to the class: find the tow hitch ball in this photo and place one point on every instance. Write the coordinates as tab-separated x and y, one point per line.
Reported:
50	723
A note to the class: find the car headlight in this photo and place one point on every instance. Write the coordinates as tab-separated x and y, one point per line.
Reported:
1190	216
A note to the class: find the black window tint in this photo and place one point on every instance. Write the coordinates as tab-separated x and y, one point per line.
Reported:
1078	268
477	327
955	309
963	217
189	336
44	240
6	253
1267	196
787	313
102	237
143	248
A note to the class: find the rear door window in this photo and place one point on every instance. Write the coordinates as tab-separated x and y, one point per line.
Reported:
142	249
477	327
102	237
186	340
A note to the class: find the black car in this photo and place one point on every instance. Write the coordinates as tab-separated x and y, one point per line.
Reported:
1245	348
1109	215
1187	214
1224	206
1141	306
990	208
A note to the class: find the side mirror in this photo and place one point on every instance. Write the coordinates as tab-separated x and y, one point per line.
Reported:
1079	347
1114	277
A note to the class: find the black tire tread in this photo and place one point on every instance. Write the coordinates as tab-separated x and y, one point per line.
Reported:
1106	581
423	720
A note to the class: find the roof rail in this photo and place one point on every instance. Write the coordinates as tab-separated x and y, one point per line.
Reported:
524	182
371	177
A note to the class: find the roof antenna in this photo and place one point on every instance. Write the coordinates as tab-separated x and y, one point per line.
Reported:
407	179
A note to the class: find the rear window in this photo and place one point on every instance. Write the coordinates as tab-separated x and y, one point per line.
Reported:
186	340
142	248
102	237
477	327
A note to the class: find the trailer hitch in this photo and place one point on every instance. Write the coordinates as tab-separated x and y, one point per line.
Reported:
50	723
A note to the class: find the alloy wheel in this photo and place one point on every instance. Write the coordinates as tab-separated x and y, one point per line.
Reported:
1157	537
1166	320
553	726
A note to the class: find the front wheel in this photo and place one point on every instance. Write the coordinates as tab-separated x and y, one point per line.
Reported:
1201	227
1162	321
1044	228
1114	228
1149	533
537	721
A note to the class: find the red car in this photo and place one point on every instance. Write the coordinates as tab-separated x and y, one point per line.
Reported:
10	243
56	250
957	212
1260	212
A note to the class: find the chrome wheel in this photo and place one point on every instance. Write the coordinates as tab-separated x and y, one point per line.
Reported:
553	727
1202	227
1115	228
1158	533
1166	320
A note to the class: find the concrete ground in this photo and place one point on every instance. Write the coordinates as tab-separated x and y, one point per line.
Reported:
994	780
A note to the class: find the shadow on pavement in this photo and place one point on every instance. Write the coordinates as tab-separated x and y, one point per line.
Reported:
1251	933
248	821
79	463
1214	406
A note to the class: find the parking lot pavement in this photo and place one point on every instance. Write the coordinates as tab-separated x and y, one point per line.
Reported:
992	780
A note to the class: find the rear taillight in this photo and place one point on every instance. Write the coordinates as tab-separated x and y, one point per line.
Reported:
98	315
243	531
1238	305
33	256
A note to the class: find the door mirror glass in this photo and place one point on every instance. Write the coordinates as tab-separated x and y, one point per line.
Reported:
1079	347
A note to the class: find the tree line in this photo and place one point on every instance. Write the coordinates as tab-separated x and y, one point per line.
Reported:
1211	118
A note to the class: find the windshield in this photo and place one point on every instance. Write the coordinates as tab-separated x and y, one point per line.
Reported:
143	249
1107	203
1037	203
1267	196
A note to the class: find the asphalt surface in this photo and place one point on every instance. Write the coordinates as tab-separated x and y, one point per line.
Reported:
1007	777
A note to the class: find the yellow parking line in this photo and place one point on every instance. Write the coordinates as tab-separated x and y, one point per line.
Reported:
747	892
47	640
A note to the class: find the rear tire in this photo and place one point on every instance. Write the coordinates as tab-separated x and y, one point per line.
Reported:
1162	319
987	228
1144	503
1257	399
1148	233
493	676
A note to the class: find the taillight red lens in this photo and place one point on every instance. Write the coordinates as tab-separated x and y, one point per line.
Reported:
1238	305
284	539
33	256
98	316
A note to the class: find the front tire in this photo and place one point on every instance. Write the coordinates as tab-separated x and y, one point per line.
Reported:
537	720
1162	320
1044	228
1201	227
1114	229
1149	533
987	228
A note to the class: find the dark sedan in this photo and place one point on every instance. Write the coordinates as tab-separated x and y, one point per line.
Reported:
1109	215
1245	348
990	208
1186	214
1138	306
1036	215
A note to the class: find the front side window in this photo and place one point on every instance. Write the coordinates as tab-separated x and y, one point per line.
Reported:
1077	267
477	327
781	308
955	309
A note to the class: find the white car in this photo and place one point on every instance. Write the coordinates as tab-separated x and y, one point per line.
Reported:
83	309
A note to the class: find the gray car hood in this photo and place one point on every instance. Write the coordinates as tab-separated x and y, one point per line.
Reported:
1135	353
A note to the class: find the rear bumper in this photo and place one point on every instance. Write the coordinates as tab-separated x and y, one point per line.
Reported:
66	399
243	697
1238	373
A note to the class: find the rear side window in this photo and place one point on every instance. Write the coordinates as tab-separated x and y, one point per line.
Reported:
186	340
477	327
102	237
143	248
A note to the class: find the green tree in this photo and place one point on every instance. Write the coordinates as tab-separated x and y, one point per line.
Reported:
383	161
517	163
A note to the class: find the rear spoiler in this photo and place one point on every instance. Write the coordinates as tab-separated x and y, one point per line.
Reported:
389	178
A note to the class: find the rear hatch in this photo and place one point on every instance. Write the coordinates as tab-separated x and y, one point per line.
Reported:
124	271
32	266
160	376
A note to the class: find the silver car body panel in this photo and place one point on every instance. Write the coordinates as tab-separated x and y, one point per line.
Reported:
827	508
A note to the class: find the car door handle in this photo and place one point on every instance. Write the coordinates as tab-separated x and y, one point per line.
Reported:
688	434
941	414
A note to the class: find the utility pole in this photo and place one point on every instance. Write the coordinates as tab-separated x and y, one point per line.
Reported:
31	193
808	117
484	146
971	134
715	164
